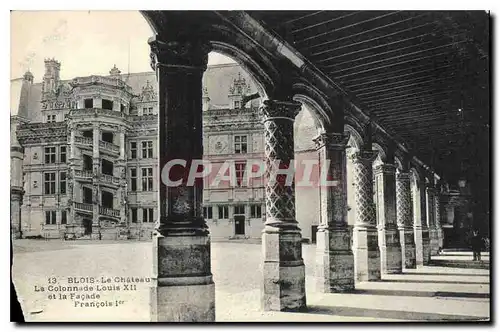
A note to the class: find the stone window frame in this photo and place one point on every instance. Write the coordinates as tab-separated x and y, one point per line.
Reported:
223	211
240	168
64	220
61	154
49	185
50	217
147	149
240	144
49	155
133	179
208	212
238	207
134	215
254	208
148	215
63	184
133	150
147	178
51	118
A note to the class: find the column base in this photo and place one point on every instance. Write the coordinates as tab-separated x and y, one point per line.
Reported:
408	249
184	290
186	303
96	232
334	261
440	237
433	242
426	247
366	254
15	234
390	251
419	248
284	287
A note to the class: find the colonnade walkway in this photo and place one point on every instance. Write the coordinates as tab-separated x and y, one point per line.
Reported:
451	288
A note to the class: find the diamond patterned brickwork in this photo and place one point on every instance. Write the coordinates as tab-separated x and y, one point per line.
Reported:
278	120
363	179
404	210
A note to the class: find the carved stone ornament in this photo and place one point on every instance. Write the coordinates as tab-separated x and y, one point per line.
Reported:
188	54
272	109
35	156
334	141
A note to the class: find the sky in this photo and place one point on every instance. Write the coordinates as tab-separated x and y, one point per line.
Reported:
85	42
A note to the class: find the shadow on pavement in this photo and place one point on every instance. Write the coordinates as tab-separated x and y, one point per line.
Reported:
413	281
388	314
461	264
399	292
446	274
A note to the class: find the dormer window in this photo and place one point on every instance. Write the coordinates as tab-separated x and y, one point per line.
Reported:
237	104
51	118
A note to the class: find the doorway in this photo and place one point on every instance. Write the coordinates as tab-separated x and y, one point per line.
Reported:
239	225
87	226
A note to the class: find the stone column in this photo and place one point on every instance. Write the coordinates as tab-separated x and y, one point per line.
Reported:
404	213
439	229
334	257
72	154
96	161
431	221
388	235
284	270
183	288
365	243
122	144
420	228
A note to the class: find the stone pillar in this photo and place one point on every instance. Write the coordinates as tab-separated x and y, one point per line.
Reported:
334	257
420	228
96	161
404	213
72	152
122	144
431	221
183	289
439	229
388	234
284	270
365	243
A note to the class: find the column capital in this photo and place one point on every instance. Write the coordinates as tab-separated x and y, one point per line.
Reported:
403	175
385	169
185	54
332	141
275	109
363	156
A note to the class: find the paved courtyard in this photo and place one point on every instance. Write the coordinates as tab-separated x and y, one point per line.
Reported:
453	288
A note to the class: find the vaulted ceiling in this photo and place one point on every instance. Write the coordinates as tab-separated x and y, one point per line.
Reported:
423	76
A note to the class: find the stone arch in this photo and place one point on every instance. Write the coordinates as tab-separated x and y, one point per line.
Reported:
355	139
225	40
381	156
316	101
